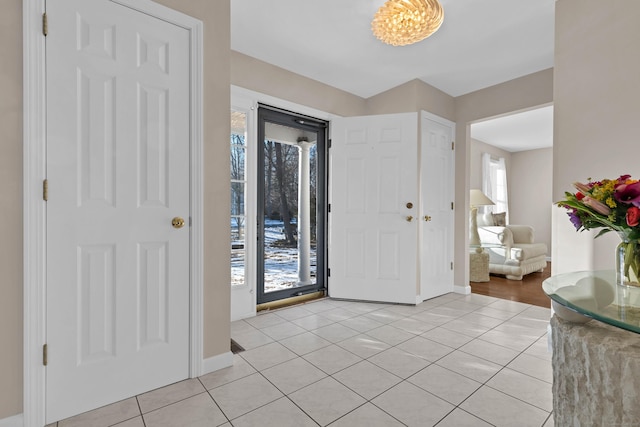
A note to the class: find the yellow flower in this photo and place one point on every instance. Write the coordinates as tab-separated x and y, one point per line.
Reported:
611	202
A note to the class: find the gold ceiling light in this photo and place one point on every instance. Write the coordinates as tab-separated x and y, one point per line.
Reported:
403	22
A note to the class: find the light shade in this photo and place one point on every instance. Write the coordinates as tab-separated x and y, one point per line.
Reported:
477	198
402	22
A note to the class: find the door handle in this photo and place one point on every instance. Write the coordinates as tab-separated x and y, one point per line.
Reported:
409	205
177	222
427	218
409	218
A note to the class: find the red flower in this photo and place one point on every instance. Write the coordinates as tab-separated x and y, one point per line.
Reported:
579	196
633	216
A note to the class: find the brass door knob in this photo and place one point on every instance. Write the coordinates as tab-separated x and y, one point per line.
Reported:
177	222
427	218
409	218
409	205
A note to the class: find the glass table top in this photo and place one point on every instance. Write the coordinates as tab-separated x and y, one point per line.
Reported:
595	294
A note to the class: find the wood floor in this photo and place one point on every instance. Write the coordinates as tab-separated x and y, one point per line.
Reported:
528	290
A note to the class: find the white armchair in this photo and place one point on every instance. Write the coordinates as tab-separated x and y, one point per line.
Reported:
512	250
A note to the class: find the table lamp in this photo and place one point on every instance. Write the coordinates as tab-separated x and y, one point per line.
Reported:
476	198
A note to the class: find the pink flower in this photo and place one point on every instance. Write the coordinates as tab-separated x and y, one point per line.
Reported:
633	216
584	188
628	193
597	205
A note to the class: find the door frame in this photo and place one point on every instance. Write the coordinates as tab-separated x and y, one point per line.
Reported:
34	208
248	99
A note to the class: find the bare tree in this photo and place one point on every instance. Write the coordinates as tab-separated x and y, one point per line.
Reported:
237	182
268	165
284	204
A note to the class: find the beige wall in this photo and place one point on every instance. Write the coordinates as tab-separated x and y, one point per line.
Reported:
410	97
596	111
259	76
215	15
519	94
530	186
11	208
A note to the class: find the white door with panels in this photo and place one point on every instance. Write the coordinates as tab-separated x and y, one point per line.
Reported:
390	236
374	208
437	184
117	281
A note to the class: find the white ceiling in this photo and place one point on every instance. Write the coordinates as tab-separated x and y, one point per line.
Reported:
481	43
528	130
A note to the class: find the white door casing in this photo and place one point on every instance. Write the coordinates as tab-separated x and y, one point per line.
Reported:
106	200
373	237
437	183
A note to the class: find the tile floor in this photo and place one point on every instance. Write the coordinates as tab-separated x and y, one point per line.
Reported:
453	361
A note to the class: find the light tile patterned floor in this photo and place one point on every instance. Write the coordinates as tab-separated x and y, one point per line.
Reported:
456	360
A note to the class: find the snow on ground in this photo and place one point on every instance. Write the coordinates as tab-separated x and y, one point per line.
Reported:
280	264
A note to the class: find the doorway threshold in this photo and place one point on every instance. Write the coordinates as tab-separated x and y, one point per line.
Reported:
285	302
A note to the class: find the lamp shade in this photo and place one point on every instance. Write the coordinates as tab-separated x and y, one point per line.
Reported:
477	198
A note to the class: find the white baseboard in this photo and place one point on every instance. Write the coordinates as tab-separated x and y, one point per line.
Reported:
464	290
215	363
14	421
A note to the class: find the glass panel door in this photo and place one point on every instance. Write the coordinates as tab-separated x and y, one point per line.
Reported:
292	205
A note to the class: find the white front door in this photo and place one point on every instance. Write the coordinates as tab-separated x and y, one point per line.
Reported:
118	173
437	185
373	220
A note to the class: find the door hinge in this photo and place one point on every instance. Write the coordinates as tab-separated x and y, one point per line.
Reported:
45	24
328	272
452	265
329	143
329	207
45	190
451	205
44	355
453	144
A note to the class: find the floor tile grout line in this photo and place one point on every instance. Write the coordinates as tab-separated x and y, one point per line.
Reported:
371	403
515	397
144	423
173	402
214	401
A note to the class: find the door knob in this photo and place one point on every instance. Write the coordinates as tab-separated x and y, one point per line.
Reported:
409	205
177	222
409	218
427	218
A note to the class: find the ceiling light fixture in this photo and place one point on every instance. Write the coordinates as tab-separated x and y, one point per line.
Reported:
403	22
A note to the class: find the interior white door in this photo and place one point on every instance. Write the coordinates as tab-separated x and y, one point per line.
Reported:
437	183
374	207
118	173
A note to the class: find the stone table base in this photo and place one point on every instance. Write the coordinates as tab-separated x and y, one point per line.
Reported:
596	374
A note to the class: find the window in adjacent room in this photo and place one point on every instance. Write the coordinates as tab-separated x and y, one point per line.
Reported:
494	183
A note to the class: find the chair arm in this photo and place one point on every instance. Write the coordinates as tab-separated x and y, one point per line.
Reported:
521	233
495	235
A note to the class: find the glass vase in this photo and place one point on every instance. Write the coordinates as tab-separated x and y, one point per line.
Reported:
628	262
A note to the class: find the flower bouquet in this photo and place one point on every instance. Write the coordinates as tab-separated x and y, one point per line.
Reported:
613	205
